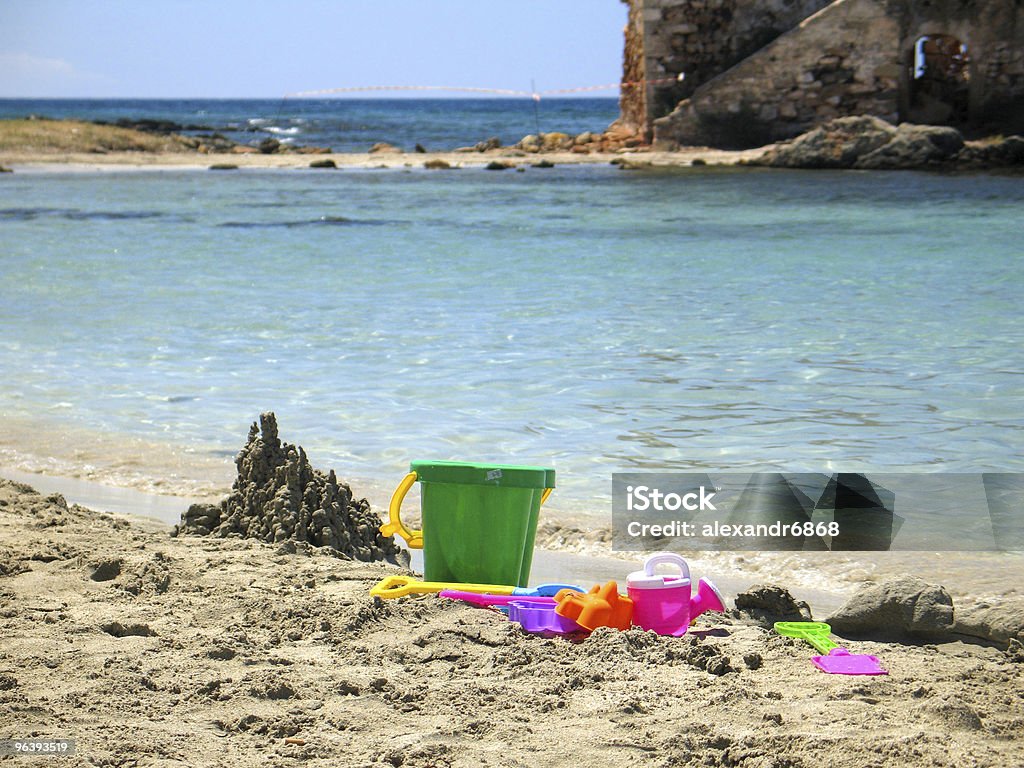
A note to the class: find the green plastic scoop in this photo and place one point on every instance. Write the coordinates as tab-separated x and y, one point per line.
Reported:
836	660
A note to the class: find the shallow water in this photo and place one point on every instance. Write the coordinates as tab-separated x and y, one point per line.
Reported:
584	318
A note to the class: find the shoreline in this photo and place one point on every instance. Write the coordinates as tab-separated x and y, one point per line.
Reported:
574	549
38	162
854	142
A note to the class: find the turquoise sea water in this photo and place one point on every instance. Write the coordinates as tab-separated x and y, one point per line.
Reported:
586	318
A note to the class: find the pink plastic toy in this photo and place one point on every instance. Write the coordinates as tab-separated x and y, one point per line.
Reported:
487	600
663	602
836	661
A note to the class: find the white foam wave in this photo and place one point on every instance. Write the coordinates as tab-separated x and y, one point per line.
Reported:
282	131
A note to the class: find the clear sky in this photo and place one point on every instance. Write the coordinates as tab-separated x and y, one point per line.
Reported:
259	48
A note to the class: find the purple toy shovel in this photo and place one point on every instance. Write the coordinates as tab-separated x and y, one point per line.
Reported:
837	661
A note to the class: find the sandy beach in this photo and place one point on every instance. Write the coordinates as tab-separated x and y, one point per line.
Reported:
151	646
158	651
20	161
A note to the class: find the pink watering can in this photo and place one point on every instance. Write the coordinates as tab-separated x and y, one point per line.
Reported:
664	602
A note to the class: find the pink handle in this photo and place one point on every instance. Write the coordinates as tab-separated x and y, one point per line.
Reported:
487	600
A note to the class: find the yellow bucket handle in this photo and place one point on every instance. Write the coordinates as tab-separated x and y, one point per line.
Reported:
414	539
544	496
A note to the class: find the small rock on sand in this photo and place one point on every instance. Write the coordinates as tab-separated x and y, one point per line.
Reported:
998	622
765	604
901	607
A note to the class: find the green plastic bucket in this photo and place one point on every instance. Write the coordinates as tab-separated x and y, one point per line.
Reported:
479	520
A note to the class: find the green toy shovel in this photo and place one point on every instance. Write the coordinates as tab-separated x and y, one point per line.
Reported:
836	661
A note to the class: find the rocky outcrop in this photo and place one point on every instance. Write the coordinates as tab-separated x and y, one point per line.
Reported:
869	143
268	146
914	146
893	610
278	496
1001	621
837	144
614	139
999	152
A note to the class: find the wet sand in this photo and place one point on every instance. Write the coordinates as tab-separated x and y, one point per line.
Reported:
20	161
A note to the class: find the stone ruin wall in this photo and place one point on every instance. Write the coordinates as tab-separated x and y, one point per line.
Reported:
632	99
702	38
805	77
764	71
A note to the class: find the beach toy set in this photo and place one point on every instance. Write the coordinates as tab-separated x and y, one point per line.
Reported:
479	526
662	603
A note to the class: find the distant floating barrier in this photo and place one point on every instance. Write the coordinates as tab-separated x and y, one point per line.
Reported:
535	95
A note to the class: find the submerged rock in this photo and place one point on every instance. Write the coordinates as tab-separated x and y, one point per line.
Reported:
278	496
901	607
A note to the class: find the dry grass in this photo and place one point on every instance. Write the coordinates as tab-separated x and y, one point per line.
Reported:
63	136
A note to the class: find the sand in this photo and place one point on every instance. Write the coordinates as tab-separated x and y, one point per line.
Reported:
155	651
22	161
